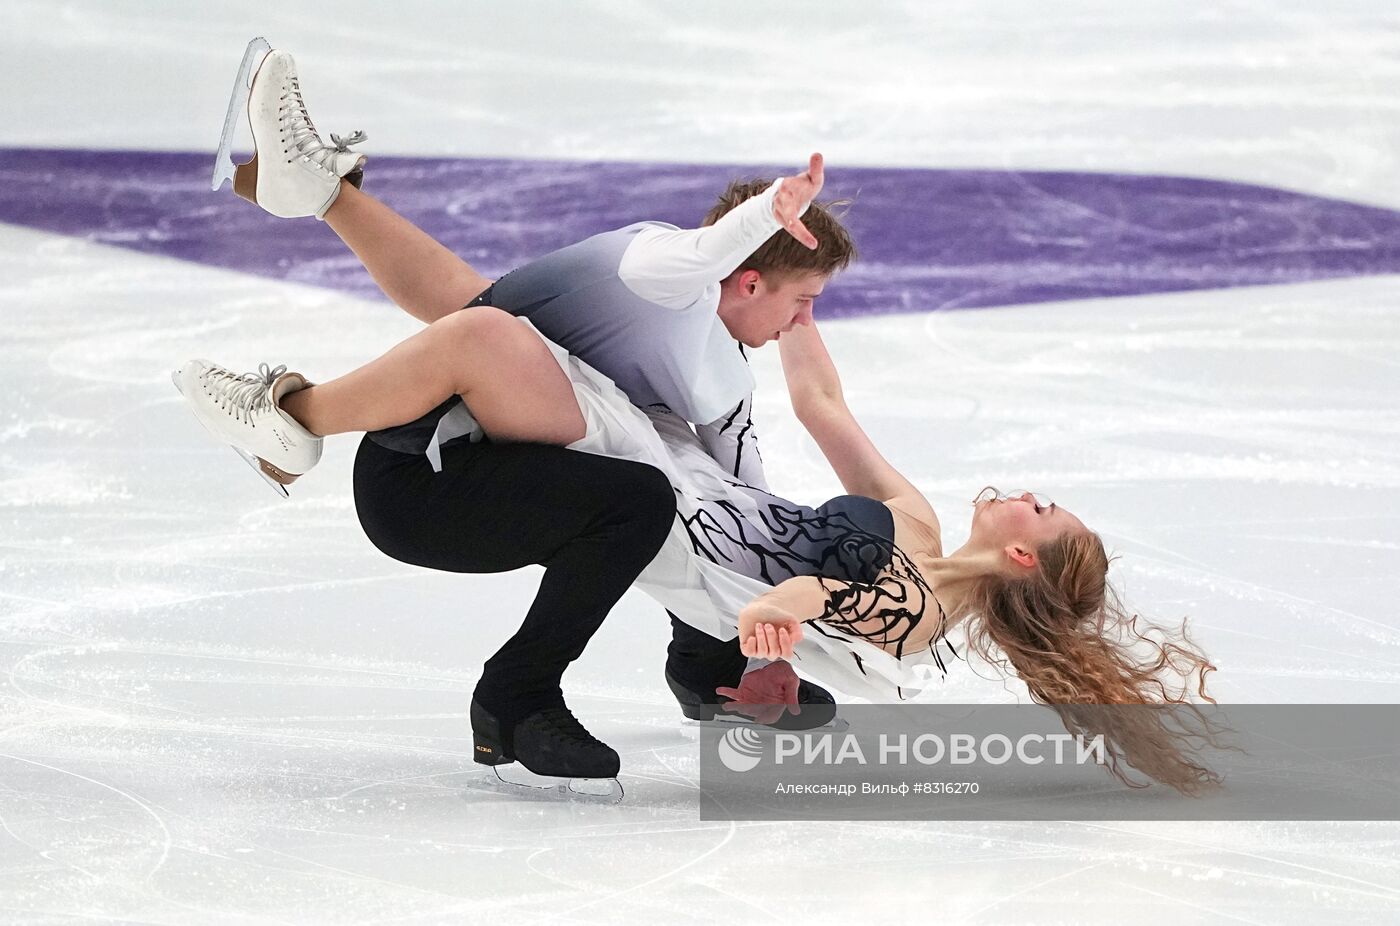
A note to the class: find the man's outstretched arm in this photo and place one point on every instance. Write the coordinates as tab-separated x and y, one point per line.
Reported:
673	266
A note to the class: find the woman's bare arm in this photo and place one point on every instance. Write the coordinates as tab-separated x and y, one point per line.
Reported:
819	403
893	614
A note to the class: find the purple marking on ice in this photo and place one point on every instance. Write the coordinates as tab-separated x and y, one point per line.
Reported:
929	239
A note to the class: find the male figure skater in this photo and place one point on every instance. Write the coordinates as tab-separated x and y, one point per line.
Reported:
664	312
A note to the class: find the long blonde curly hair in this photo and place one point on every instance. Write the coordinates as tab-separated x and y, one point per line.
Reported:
1062	629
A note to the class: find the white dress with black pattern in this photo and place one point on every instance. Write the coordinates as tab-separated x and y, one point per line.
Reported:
731	543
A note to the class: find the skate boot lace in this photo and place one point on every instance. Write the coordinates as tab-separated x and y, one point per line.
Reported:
244	394
303	135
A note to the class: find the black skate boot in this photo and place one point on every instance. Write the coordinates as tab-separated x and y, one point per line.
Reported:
547	751
818	708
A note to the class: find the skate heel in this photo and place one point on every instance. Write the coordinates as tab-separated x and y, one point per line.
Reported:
275	474
488	746
487	751
277	478
245	180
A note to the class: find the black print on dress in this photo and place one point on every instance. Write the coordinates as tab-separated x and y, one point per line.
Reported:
885	612
884	597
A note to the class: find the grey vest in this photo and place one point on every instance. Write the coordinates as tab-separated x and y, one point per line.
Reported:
684	359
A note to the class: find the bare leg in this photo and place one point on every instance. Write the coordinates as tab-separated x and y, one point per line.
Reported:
423	278
500	368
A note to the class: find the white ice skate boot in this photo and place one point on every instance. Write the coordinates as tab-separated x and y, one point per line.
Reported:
292	173
242	410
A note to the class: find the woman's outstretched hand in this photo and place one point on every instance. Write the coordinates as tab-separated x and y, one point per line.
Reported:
768	632
772	641
793	197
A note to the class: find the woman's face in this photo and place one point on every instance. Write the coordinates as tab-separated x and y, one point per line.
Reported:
1019	521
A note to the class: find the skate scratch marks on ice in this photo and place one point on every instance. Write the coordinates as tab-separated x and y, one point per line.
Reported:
165	848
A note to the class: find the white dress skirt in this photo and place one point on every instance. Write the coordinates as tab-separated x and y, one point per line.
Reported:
696	588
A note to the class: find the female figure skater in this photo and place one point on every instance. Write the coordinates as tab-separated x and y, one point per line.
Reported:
860	589
1030	581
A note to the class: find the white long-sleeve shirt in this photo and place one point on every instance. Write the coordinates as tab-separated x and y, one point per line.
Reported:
640	305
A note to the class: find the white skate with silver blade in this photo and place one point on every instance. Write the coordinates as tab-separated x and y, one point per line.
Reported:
242	411
292	172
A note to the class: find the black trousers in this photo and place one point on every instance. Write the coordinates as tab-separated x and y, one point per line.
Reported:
593	522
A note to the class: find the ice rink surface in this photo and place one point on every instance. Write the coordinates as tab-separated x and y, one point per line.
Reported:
220	707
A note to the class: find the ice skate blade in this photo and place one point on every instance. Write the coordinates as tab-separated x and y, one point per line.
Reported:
515	779
238	101
727	721
261	468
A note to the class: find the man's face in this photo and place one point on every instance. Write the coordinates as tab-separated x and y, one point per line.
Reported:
757	308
